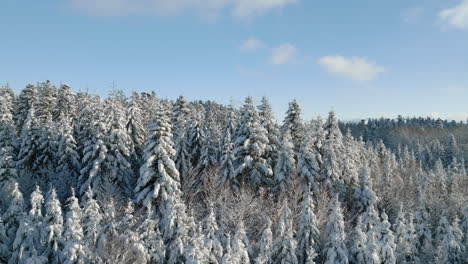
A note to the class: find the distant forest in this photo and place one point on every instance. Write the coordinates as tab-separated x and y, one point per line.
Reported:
141	179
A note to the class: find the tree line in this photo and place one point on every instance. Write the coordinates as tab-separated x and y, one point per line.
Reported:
141	179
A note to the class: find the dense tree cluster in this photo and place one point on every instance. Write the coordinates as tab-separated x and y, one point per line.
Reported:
141	179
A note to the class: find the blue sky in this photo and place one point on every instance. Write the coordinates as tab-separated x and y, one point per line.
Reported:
361	58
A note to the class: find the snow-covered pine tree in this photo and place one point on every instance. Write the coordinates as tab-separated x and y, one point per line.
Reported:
135	127
284	247
240	245
159	185
308	234
74	250
268	121
15	211
226	165
286	165
159	179
409	253
27	243
442	229
211	242
364	196
47	101
26	103
307	165
265	246
204	170
195	142
453	249
52	232
372	253
358	243
65	106
36	217
91	223
250	145
4	249
331	150
335	249
30	141
7	101
68	160
152	239
8	172
350	164
92	172
119	148
180	119
451	151
294	124
386	242
423	229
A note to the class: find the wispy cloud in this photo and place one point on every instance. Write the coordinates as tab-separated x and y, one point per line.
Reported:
283	54
412	15
252	44
456	17
238	8
355	68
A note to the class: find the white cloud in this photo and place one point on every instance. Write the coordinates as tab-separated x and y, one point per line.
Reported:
456	16
249	8
283	54
238	8
252	44
412	15
355	68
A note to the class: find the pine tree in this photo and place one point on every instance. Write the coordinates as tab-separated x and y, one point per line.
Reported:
268	121
14	214
226	165
308	233
37	220
92	173
350	163
91	219
335	248
293	122
331	155
207	162
285	165
68	160
211	242
364	196
409	251
135	127
240	245
152	238
4	249
386	243
358	239
307	165
250	146
74	251
47	100
26	103
65	106
27	243
372	253
159	179
423	230
284	247
265	244
119	148
52	233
